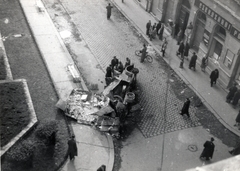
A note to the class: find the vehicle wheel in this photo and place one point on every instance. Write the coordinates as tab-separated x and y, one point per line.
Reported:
149	59
138	53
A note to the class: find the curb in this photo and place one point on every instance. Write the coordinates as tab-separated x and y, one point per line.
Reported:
182	77
33	117
111	155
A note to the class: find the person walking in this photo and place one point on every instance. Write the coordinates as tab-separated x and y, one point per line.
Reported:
148	25
236	150
109	10
232	91
214	76
180	49
164	46
161	31
236	98
144	53
185	108
179	37
193	61
237	120
208	149
114	62
151	33
72	148
158	26
186	50
204	63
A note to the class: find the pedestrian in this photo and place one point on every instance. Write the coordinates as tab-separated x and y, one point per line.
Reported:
214	76
164	46
154	32
232	91
161	31
127	63
144	53
236	98
204	63
72	148
185	108
179	37
180	49
193	61
120	67
102	168
158	26
186	50
154	25
148	25
114	62
108	75
208	149
238	120
109	10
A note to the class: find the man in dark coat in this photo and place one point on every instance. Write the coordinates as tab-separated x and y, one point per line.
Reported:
186	49
185	108
114	62
109	11
236	98
208	149
180	49
160	32
148	25
72	148
193	61
127	63
144	53
158	25
231	93
214	76
102	168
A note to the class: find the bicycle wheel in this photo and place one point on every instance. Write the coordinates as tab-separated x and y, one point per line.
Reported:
149	59
138	53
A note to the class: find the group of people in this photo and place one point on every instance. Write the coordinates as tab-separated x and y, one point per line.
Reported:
183	51
152	31
233	95
115	68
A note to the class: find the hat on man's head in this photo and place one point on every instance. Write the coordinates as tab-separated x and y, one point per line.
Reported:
212	139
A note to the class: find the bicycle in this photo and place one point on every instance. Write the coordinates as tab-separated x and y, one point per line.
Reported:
148	57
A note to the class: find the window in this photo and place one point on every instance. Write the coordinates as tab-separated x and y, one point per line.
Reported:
160	5
228	59
220	33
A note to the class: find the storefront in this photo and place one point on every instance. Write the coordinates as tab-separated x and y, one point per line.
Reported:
216	34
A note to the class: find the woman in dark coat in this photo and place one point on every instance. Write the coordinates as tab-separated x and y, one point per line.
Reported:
193	61
208	149
180	49
238	120
236	98
186	49
231	93
204	63
72	148
185	108
214	76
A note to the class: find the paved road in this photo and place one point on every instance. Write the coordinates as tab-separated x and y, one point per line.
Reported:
107	38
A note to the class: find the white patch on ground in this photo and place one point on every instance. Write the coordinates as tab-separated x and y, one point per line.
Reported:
65	34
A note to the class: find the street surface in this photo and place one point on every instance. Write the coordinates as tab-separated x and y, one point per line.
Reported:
162	139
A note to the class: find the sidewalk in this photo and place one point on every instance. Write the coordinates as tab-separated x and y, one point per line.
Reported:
213	98
90	142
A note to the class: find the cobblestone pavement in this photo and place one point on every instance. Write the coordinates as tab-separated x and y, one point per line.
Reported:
107	38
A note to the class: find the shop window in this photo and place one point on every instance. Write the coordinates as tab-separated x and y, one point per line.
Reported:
228	60
220	33
186	4
217	51
202	17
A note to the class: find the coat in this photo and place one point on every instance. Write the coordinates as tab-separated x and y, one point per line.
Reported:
186	49
214	75
231	93
238	117
208	149
236	97
72	148
185	107
181	48
109	10
193	61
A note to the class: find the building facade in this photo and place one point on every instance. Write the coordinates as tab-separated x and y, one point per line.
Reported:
215	32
